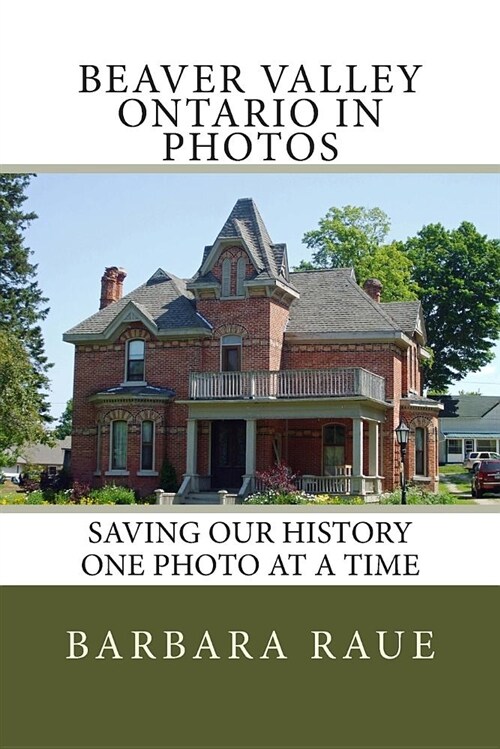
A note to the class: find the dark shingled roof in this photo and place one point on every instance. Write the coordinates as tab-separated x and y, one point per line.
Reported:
164	299
245	224
144	391
332	302
405	314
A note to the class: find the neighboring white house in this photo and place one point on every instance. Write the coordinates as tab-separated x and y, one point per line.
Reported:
52	459
467	423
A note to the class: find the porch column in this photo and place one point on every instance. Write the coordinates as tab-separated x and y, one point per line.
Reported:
251	447
357	481
373	456
373	441
192	447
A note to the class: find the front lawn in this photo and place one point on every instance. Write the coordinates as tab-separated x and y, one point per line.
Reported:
8	489
459	478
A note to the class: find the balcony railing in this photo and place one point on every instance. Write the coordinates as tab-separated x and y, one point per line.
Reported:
287	383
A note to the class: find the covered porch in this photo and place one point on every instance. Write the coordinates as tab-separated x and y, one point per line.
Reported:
333	446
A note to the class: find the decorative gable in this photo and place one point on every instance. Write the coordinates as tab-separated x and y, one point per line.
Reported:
243	261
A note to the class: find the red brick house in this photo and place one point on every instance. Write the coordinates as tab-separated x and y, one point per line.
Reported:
246	364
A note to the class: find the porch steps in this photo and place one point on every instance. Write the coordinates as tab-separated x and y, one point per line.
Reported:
202	498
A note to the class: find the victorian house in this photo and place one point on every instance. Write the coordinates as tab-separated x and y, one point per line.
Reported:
247	364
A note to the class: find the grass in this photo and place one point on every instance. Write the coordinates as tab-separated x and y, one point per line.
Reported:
452	468
8	489
456	474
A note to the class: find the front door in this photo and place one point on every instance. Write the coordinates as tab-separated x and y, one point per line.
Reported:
228	454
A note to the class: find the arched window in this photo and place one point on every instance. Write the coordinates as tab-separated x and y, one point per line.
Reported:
241	268
226	277
118	447
333	447
230	353
135	361
147	445
420	452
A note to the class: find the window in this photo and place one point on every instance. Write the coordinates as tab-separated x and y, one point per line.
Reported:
226	277
231	353
147	445
333	447
420	462
135	361
241	269
454	447
119	434
487	445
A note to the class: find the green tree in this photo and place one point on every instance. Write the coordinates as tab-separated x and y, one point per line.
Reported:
20	419
458	273
353	236
22	304
455	273
345	235
63	428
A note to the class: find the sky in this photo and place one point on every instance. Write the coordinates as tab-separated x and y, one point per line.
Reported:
146	221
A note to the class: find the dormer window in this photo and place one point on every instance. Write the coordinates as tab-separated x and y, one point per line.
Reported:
226	278
135	361
241	269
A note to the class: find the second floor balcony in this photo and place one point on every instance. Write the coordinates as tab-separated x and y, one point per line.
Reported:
287	383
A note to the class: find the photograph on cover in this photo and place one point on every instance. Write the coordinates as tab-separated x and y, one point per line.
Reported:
259	339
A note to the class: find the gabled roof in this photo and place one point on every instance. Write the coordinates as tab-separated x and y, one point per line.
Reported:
408	315
162	302
332	302
467	406
469	428
245	225
45	454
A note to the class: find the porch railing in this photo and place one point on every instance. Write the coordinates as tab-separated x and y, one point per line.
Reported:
287	383
339	482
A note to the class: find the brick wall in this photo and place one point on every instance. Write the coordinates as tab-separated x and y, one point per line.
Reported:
260	321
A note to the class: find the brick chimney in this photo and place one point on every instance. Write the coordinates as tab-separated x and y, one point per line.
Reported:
112	285
373	288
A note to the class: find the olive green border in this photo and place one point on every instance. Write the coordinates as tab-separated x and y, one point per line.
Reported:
449	702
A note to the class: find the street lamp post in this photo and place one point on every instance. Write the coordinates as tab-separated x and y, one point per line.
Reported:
402	435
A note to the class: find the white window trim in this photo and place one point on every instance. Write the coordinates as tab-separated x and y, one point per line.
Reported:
126	381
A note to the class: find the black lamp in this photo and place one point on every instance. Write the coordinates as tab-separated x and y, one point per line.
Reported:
402	436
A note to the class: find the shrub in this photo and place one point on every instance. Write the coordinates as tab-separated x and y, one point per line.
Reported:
273	497
36	497
149	500
279	478
168	478
13	499
416	496
112	495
